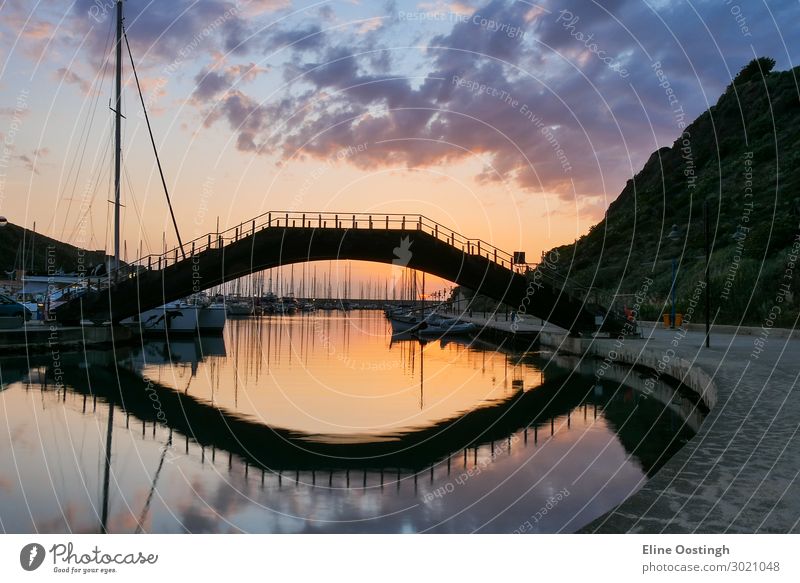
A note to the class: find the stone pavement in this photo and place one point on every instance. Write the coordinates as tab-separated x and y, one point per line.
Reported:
741	471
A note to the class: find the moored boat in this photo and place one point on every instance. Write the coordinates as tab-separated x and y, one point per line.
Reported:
175	317
238	308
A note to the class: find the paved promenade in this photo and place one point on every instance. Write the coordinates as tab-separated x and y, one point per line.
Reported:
741	472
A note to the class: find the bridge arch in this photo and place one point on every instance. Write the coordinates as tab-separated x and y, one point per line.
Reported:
286	238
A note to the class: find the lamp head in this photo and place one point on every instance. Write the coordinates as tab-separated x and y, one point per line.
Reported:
674	234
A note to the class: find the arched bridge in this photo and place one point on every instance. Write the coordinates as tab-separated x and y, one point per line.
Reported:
281	238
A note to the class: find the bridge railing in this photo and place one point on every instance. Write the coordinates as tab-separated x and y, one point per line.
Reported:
326	220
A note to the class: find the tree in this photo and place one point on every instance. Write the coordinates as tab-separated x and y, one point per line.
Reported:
759	67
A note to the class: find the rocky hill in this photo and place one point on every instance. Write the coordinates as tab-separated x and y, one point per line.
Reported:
742	158
22	248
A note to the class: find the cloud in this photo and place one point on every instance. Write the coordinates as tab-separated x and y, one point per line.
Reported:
211	83
305	38
161	32
70	77
30	161
554	114
542	100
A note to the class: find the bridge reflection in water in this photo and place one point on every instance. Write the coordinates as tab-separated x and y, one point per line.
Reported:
234	434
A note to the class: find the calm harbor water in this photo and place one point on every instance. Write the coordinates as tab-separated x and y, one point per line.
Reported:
322	423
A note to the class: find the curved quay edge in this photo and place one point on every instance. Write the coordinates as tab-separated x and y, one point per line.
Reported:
738	474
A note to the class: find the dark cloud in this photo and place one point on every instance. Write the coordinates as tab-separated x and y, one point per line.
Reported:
162	32
307	38
570	103
211	83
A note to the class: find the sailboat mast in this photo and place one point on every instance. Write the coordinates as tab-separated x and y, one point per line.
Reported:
118	135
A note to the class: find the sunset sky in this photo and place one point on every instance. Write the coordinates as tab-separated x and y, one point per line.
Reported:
517	122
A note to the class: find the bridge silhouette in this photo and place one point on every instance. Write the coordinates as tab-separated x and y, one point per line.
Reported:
274	239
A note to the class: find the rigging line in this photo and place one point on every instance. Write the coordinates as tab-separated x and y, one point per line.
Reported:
87	213
153	141
97	171
88	126
135	206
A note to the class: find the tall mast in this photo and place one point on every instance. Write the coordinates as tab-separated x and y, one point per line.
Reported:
118	135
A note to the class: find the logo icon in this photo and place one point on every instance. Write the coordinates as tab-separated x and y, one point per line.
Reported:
403	252
31	556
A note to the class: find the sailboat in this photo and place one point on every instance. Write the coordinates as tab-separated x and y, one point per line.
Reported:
185	316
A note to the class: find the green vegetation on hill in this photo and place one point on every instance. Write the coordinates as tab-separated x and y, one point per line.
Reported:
742	157
21	248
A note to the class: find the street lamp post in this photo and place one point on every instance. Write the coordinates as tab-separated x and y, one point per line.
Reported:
708	284
672	292
674	235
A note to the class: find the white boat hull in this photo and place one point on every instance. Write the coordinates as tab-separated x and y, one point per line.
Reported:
401	324
176	318
211	318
